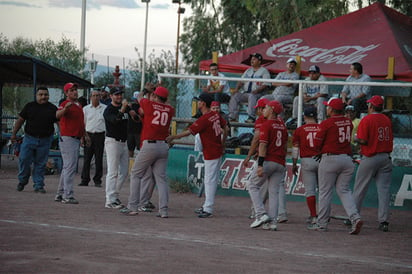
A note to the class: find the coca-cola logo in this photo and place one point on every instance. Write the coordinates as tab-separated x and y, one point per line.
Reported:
338	55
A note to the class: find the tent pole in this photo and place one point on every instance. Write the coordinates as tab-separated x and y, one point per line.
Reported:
391	76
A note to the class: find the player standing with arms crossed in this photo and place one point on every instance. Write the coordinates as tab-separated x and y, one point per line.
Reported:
157	115
304	146
336	166
213	131
376	142
271	166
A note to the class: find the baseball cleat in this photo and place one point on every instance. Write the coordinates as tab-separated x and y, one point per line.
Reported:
260	221
356	227
317	227
384	226
127	211
270	226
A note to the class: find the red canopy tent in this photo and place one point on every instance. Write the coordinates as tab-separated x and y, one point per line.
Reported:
369	36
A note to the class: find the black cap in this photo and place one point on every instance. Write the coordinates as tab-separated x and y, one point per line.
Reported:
314	68
310	112
116	90
205	97
257	55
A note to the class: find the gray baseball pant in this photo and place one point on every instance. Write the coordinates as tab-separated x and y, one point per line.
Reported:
154	156
274	173
335	171
69	148
379	167
309	171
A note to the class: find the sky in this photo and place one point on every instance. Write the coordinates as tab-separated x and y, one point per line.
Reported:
113	27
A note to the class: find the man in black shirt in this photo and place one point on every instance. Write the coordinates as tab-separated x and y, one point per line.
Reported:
39	117
134	127
116	116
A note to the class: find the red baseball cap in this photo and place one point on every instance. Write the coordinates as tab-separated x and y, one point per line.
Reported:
162	92
261	103
376	100
69	86
276	106
215	104
335	103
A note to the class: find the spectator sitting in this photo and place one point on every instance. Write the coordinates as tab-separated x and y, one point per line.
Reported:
252	91
356	95
313	94
219	89
284	92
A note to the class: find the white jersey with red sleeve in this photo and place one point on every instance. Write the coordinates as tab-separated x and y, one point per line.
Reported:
304	138
376	129
275	134
209	126
156	120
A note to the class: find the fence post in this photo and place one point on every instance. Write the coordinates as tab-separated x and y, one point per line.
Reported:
391	73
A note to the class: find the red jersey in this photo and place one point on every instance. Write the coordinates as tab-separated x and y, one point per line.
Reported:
376	129
72	122
209	126
275	134
259	122
304	138
156	120
334	135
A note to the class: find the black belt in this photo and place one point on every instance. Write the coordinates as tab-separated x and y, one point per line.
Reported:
329	154
76	137
95	133
152	141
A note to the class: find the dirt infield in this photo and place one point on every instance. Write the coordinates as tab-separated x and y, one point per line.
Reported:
39	235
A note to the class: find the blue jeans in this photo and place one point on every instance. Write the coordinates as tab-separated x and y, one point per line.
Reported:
33	150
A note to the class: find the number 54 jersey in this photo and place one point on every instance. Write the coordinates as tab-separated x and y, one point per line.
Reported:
156	120
335	135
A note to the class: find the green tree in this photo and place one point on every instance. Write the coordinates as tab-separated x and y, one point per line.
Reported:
62	54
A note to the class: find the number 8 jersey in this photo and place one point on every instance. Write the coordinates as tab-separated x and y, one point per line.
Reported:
156	120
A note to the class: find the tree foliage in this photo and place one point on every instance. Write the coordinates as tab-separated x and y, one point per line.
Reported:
63	54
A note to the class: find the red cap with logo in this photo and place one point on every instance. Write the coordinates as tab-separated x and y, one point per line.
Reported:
335	103
215	104
162	92
276	106
261	103
69	86
376	100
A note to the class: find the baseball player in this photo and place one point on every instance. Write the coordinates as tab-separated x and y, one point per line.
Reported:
157	115
253	150
336	166
213	131
271	166
304	146
376	142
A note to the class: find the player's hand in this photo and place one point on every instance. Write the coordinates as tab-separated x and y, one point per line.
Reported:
317	157
245	161
169	140
68	105
260	171
87	141
295	170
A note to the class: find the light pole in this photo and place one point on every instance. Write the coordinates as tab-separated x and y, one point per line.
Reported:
92	68
179	11
144	46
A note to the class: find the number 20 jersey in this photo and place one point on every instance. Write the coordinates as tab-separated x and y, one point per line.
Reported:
156	120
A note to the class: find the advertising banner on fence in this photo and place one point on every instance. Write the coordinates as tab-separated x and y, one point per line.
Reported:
187	166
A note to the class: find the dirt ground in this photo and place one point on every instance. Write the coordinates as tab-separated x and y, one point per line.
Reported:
38	235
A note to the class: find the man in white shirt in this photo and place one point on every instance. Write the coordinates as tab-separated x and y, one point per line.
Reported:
95	130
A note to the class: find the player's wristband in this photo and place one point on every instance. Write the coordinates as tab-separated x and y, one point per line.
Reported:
261	160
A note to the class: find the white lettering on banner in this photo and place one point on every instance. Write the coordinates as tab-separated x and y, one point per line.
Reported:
405	190
339	55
